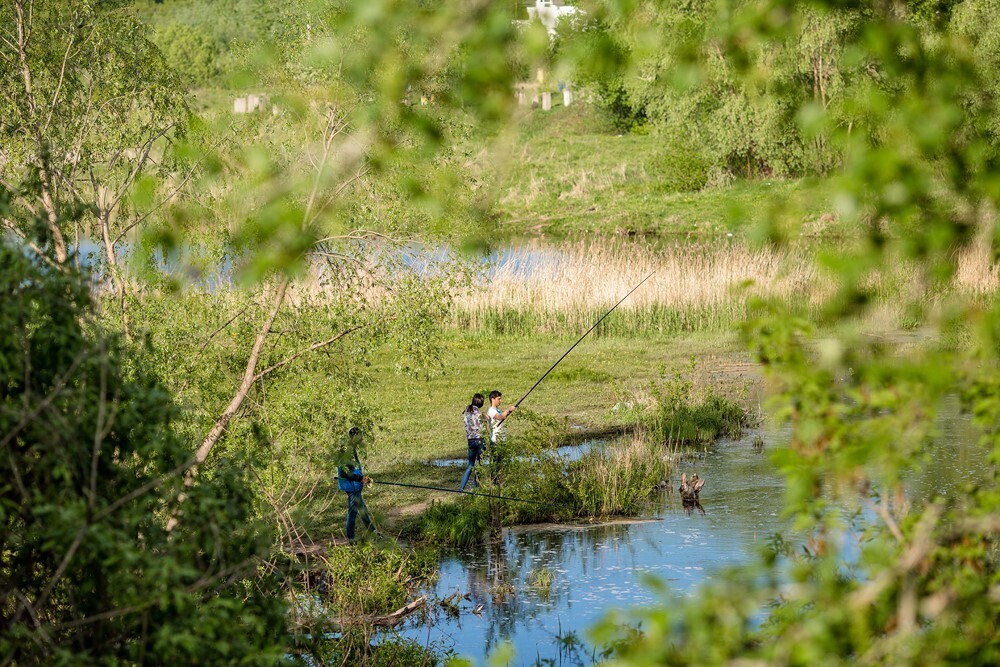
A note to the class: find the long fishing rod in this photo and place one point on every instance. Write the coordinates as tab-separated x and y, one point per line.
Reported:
581	339
473	493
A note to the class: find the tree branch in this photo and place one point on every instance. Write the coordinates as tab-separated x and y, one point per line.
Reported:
132	225
314	346
249	377
23	35
62	76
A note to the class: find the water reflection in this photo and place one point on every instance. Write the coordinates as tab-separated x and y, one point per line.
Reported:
596	568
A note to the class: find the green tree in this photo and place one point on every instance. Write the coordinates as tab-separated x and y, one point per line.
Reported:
88	110
738	109
922	584
88	574
190	51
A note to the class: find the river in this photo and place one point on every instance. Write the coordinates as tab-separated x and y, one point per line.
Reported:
597	568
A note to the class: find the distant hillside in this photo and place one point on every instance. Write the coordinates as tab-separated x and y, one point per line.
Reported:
204	39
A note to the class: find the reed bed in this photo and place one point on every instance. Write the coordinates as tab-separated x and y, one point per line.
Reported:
619	479
693	287
977	273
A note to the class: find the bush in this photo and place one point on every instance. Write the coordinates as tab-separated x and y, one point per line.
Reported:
678	414
681	166
190	51
88	571
459	524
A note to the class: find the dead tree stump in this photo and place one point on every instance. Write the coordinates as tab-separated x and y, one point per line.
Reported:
690	491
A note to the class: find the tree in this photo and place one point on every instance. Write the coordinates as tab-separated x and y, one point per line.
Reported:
88	574
739	108
88	109
919	168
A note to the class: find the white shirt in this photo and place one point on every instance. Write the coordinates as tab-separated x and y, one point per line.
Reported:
496	425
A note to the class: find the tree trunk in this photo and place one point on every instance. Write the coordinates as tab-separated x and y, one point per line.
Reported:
249	375
44	175
114	270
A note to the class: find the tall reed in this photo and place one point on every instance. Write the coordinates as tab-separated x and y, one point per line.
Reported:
694	286
618	479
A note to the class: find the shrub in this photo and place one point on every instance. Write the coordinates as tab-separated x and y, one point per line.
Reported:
680	414
460	524
92	462
190	51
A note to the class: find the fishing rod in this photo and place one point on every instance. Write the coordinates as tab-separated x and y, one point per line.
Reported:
473	493
580	340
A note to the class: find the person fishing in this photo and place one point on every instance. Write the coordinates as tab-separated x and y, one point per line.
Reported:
351	480
497	416
472	418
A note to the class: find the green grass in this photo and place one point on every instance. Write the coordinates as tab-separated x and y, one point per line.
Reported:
423	417
619	479
568	174
461	524
655	319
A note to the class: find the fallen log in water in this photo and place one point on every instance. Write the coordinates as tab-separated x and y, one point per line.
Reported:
393	619
330	624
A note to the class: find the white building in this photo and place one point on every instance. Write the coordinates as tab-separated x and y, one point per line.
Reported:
549	12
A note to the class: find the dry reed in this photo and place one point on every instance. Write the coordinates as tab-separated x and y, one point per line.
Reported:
540	288
694	286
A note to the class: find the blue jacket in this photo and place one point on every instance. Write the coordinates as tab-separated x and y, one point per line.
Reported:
350	478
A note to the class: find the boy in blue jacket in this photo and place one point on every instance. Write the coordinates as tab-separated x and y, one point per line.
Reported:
351	480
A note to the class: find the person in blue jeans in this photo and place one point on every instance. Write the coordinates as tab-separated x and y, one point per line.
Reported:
351	480
473	421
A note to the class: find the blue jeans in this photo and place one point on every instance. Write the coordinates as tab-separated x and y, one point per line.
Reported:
475	454
354	503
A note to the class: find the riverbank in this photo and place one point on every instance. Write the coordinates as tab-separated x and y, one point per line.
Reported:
577	175
589	395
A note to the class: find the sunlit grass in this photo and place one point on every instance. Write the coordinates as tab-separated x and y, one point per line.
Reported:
618	479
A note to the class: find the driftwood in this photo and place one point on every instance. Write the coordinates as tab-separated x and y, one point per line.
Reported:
393	619
689	492
330	624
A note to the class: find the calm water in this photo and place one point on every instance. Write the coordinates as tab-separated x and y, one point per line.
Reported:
602	567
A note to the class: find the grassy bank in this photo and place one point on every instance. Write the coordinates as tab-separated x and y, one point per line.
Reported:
569	173
589	391
422	416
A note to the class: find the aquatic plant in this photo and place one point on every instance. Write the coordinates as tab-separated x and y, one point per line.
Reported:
540	578
676	411
618	479
461	523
